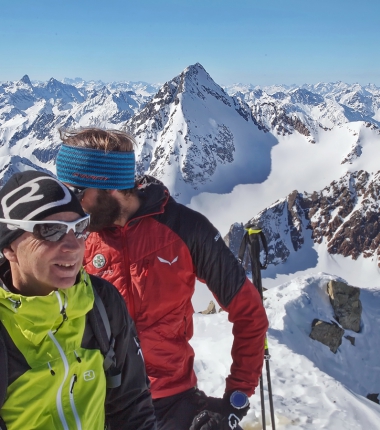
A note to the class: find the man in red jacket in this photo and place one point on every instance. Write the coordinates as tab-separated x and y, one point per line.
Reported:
153	249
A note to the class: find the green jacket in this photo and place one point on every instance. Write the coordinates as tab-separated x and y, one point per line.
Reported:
56	378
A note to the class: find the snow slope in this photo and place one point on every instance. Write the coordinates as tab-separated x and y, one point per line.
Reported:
299	165
312	387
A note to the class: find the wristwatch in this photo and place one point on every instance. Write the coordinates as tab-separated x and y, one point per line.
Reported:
239	400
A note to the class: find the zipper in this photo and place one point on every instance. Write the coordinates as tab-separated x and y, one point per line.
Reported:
66	366
58	399
130	303
72	403
63	307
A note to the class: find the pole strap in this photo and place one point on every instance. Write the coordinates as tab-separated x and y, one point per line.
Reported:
247	240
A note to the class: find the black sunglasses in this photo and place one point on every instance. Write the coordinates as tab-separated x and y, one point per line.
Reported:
53	231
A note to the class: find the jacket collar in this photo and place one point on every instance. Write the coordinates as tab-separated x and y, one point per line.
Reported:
34	316
153	196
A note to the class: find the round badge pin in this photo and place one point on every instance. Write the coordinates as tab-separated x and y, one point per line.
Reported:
99	261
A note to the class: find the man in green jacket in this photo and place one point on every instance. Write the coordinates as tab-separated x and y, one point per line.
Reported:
55	369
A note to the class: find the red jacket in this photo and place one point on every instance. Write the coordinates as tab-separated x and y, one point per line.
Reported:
154	261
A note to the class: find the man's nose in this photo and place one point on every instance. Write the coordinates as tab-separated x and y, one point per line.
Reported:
70	241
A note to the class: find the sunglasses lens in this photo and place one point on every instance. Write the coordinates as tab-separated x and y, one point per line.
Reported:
53	232
81	229
50	232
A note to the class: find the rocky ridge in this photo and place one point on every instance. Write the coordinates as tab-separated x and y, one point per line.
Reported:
310	108
344	215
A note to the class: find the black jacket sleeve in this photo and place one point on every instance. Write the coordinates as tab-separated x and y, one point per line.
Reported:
215	264
128	407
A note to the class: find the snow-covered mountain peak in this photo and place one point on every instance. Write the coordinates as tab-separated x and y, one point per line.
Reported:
25	80
58	91
192	132
303	96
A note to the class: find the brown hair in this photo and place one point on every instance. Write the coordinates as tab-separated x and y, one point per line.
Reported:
97	138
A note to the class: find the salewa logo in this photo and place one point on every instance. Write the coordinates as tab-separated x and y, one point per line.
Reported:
166	261
89	375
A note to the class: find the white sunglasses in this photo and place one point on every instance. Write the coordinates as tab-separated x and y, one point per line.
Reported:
53	231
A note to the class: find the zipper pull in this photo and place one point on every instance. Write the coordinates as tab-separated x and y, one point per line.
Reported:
16	303
64	315
73	381
51	370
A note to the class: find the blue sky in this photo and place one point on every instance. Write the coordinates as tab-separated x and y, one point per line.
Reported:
249	41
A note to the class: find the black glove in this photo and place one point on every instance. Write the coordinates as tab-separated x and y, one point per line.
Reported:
207	420
219	414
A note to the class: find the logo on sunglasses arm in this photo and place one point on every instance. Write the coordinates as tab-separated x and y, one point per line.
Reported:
99	261
34	194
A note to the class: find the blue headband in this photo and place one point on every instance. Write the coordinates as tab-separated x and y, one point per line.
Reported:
94	168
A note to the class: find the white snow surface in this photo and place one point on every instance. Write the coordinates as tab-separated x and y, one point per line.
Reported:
312	387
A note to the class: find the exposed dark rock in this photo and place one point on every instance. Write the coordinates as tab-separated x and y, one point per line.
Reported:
330	334
234	237
345	215
346	304
211	309
351	339
374	397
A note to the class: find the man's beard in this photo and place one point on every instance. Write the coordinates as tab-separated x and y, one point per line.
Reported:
105	212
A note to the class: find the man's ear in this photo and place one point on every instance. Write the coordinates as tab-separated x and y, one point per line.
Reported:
10	254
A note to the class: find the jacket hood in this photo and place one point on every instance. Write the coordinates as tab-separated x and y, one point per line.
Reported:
153	196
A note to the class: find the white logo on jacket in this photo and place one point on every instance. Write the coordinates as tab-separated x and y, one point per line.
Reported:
166	261
137	342
89	375
216	238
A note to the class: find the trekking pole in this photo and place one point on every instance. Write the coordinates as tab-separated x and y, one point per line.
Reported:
251	239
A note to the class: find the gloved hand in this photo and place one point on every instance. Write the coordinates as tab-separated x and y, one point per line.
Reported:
207	420
219	414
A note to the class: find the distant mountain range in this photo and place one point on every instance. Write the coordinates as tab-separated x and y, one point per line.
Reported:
197	136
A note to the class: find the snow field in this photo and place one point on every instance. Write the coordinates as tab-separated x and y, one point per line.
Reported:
312	387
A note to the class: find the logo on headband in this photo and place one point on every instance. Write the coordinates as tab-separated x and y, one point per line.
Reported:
34	193
94	177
